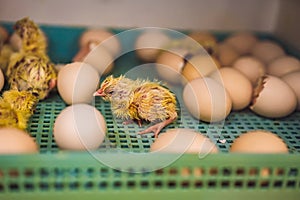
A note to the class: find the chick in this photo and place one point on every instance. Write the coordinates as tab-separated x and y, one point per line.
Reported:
16	107
139	100
31	72
33	39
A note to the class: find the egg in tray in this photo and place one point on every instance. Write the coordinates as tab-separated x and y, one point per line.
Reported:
148	90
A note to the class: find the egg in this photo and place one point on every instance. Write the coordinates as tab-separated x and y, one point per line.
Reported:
149	43
258	141
236	84
207	100
267	51
273	98
293	80
99	58
3	34
2	80
242	42
251	67
16	141
76	83
169	65
183	141
283	65
79	127
226	54
15	41
205	39
103	37
199	66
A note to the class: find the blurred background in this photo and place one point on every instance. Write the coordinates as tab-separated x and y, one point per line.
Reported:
276	16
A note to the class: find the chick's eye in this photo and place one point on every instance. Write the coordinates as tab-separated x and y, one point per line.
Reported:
110	92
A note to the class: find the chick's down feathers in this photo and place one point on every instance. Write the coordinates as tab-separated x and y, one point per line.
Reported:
140	100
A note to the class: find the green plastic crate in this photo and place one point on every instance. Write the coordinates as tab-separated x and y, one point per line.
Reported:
60	174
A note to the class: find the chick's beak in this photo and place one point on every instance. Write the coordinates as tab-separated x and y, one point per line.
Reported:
99	93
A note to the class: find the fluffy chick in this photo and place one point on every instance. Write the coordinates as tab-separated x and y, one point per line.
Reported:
16	107
31	72
33	39
139	100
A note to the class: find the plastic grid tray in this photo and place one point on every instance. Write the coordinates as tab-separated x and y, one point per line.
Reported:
78	175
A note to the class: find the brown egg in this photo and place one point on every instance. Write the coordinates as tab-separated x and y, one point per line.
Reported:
251	67
16	141
258	141
15	41
207	100
183	141
293	80
226	54
199	66
108	40
206	39
267	51
283	65
273	98
149	43
3	34
236	84
169	65
242	42
2	80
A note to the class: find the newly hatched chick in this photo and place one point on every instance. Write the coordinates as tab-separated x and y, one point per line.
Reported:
33	39
139	100
33	73
16	107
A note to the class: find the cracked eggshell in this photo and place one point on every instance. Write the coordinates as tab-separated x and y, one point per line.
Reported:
258	141
236	84
207	100
183	141
293	80
273	98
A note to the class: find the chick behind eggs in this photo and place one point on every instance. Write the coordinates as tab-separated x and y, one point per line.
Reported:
139	100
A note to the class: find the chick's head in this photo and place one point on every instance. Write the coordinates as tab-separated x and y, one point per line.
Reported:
107	88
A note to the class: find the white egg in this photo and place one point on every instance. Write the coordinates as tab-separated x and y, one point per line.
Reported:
2	80
242	42
149	43
76	83
79	127
16	141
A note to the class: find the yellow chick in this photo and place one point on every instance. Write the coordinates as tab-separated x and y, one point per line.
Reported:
33	39
139	100
16	107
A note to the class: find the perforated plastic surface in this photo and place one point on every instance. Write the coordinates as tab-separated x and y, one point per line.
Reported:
78	175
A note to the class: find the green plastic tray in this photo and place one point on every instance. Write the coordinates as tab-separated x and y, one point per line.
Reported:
60	174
